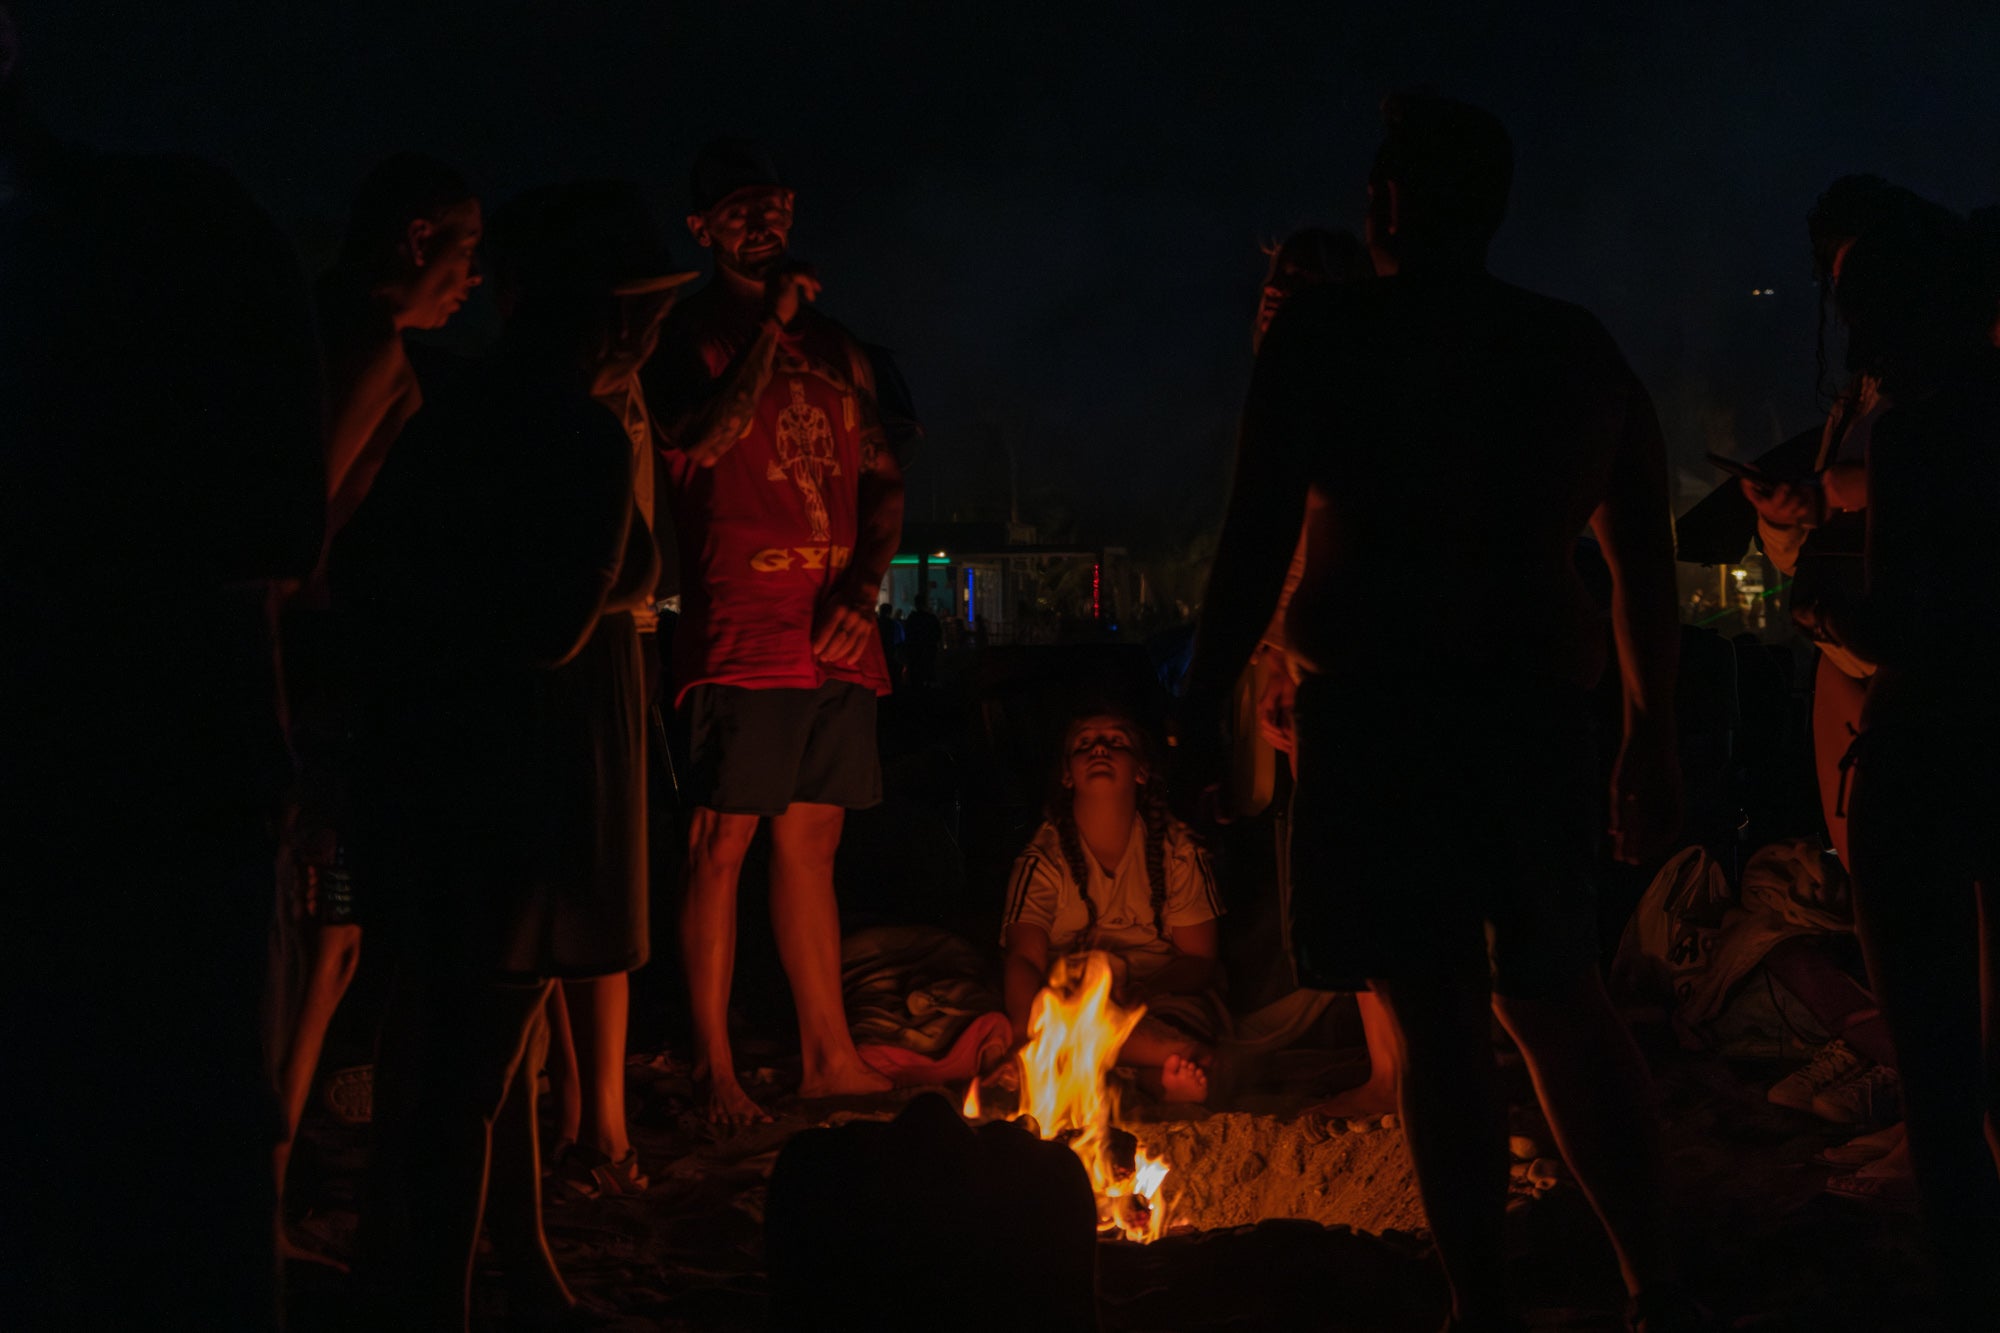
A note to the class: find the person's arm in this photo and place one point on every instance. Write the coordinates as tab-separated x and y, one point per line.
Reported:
1194	969
1024	973
703	417
369	412
846	623
1634	530
1267	505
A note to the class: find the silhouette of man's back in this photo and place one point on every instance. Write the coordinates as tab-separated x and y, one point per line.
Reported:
1461	432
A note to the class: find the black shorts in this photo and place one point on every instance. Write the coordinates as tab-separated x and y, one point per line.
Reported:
755	752
1442	834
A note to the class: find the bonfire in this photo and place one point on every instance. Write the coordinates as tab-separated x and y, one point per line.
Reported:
1075	1032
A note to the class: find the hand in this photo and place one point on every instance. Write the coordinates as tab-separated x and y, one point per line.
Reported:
841	633
1645	795
1845	486
786	288
1274	709
1782	505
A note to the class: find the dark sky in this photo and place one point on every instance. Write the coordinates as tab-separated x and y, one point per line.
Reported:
1053	211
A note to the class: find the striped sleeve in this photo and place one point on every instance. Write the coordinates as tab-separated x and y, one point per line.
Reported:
1192	897
1034	892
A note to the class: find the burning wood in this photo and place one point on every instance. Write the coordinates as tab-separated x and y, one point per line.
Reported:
1075	1032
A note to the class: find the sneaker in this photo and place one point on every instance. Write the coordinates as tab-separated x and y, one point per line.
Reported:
1835	1063
621	1177
570	1173
586	1173
1872	1097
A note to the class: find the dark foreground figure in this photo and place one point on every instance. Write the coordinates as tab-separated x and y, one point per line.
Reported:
501	788
160	476
927	1223
1926	765
1445	799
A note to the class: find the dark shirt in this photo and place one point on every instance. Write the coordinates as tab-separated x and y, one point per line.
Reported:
1461	432
1932	604
160	467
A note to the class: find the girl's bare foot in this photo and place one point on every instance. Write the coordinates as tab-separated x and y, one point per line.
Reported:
1182	1080
1371	1098
854	1080
729	1105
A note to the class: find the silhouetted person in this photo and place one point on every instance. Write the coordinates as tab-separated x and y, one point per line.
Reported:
891	630
161	479
1443	818
1826	509
493	574
1261	727
1926	766
408	261
923	640
788	505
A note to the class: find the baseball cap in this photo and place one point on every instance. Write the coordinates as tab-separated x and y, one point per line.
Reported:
727	165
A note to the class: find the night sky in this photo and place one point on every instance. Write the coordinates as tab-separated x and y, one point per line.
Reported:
1053	212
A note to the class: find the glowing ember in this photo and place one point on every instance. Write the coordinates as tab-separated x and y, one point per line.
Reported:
1075	1032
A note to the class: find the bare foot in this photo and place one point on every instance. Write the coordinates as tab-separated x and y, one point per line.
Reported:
855	1080
1368	1099
729	1105
1182	1080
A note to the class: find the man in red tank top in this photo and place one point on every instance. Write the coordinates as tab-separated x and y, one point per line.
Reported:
788	508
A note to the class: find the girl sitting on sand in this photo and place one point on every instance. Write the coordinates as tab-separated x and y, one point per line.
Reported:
1111	869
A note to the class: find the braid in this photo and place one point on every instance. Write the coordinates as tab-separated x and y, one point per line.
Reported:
1158	819
1064	818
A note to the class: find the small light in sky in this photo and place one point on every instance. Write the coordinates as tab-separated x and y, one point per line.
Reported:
1763	291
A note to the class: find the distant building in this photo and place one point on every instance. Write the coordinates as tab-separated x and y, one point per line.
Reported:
1023	589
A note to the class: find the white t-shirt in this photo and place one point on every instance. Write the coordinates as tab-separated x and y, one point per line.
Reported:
1042	892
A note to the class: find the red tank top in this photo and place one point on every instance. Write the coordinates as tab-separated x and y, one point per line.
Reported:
767	534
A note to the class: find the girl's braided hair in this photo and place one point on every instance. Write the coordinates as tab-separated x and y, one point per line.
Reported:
1154	814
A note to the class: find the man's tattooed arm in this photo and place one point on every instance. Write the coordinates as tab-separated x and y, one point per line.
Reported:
712	417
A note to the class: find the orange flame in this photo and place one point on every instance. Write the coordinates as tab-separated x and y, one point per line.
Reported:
971	1108
1075	1032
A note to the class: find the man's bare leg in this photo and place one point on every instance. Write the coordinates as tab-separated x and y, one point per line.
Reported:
717	844
1454	1121
336	953
1597	1093
1378	1095
600	1013
807	920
